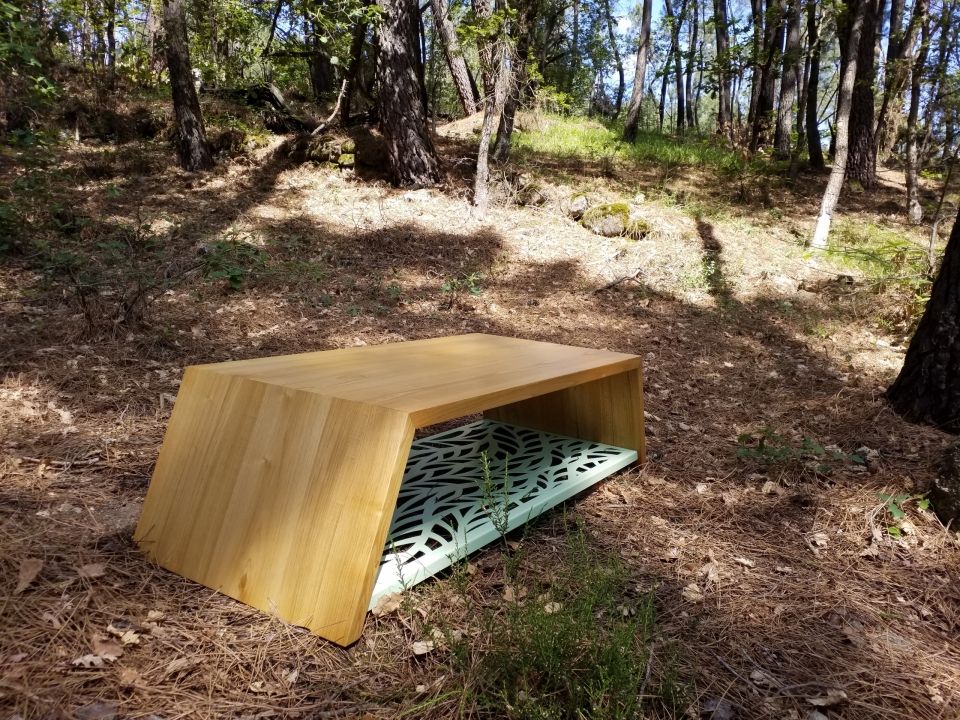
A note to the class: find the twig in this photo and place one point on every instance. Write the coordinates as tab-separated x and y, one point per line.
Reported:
336	110
625	278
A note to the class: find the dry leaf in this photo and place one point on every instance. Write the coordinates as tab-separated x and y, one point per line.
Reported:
785	569
387	604
52	619
127	635
105	647
508	594
833	697
93	570
759	677
129	677
179	665
155	616
718	709
692	593
552	608
422	647
89	661
290	676
745	562
29	569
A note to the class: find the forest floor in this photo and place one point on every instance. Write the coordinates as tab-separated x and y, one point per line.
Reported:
782	584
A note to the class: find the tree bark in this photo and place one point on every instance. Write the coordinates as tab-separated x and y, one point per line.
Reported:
617	61
410	152
492	58
518	82
862	163
914	208
927	390
192	147
756	53
110	31
350	80
455	60
639	75
772	44
691	54
900	53
814	148
676	21
789	83
724	105
844	100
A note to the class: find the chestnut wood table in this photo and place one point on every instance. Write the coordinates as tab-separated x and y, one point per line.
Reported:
279	477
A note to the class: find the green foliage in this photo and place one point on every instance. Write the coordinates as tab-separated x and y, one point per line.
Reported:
573	138
893	505
879	252
496	497
633	227
232	260
575	649
455	287
768	447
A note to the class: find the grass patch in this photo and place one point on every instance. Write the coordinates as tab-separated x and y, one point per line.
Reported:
589	140
876	251
578	647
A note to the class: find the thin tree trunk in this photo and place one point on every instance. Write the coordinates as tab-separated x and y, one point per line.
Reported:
900	53
636	96
862	163
724	106
756	79
192	147
574	47
617	61
455	60
814	148
492	52
914	208
688	87
410	152
110	31
927	390
518	83
844	100
789	83
772	45
676	20
350	80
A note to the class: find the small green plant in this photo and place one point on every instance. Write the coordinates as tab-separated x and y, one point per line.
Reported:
455	287
232	261
768	447
576	649
893	504
496	497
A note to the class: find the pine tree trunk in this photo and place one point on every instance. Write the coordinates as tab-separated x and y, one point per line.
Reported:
788	85
862	163
110	31
724	106
353	70
772	44
455	60
844	100
814	148
676	21
617	61
914	208
756	66
410	152
192	147
691	53
492	57
517	85
636	96
927	390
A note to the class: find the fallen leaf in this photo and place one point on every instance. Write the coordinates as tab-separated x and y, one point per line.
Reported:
769	488
155	616
29	569
422	647
833	697
129	677
785	569
179	665
93	570
387	604
127	636
508	594
290	676
52	619
745	562
759	677
89	661
105	647
692	593
551	608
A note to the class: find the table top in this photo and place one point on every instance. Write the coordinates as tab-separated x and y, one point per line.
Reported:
437	379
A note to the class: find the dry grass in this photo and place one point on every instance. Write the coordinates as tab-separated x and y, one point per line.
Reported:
714	301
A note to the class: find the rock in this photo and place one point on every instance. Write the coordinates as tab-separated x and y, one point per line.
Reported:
615	219
577	206
945	492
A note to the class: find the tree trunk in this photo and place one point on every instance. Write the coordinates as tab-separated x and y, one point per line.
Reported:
814	148
455	60
640	72
691	54
844	100
862	163
927	390
788	85
192	147
676	21
518	82
110	31
322	80
900	53
350	80
492	52
772	44
617	61
410	152
756	53
914	208
724	105
574	48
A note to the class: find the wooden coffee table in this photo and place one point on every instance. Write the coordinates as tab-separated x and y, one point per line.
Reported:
279	477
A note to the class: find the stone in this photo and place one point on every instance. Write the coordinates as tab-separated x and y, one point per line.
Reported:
577	206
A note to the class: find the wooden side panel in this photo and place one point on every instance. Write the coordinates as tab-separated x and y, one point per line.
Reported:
609	410
278	497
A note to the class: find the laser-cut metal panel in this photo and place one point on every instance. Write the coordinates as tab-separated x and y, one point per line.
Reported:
442	514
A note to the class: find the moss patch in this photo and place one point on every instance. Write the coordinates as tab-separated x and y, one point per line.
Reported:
615	219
